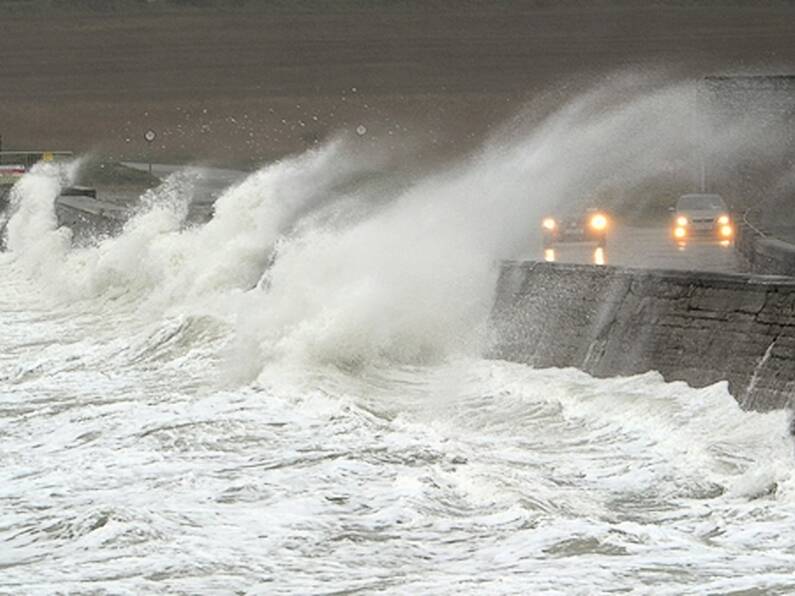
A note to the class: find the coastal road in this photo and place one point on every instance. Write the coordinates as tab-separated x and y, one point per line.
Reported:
646	247
628	246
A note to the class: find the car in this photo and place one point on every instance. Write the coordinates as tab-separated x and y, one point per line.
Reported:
590	225
702	216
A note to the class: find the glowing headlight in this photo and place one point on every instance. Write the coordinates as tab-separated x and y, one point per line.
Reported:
726	231
680	232
723	220
681	221
598	222
549	224
599	256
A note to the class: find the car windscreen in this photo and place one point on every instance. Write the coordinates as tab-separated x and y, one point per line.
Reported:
701	202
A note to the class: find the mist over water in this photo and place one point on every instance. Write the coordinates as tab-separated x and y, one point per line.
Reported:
349	272
292	396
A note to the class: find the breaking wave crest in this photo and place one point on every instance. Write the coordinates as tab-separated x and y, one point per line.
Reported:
365	444
308	260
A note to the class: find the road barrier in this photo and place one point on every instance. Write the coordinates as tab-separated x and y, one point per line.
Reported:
764	253
690	326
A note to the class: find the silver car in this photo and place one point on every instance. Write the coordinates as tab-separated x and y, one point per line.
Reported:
701	215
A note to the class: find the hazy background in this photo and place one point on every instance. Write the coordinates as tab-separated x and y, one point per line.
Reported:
240	82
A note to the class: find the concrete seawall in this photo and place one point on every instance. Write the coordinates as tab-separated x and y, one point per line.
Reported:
764	253
691	326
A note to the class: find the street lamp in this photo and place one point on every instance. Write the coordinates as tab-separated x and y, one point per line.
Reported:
149	136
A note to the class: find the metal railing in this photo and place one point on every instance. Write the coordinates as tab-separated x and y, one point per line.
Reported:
29	158
747	222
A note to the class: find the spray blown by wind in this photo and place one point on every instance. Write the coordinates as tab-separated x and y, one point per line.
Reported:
342	275
291	397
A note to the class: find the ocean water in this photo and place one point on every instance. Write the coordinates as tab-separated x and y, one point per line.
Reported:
293	398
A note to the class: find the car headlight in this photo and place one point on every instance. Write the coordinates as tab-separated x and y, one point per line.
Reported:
681	221
723	220
726	231
549	224
599	222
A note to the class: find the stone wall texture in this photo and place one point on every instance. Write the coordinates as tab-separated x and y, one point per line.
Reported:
764	253
690	326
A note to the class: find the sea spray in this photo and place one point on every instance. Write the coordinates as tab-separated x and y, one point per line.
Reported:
310	263
414	282
32	232
156	255
345	466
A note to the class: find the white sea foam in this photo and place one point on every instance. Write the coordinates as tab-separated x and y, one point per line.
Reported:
364	444
348	276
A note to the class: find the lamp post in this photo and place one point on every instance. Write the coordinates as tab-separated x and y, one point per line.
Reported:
149	136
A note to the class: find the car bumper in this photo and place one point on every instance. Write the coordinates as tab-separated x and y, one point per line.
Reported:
702	233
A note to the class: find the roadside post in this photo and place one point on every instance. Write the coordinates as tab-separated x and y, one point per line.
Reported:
149	136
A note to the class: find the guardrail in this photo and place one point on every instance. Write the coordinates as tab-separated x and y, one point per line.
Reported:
764	253
28	158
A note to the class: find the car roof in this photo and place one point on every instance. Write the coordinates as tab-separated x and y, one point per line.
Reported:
701	202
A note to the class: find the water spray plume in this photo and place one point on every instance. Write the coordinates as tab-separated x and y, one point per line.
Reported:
344	275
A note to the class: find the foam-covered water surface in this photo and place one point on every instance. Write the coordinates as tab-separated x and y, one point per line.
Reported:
125	470
292	398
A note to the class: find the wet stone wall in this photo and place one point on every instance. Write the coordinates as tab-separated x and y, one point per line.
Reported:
764	253
690	326
772	256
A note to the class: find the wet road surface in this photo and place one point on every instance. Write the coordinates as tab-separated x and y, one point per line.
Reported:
627	246
647	247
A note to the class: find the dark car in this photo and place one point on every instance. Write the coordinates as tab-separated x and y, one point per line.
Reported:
590	225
